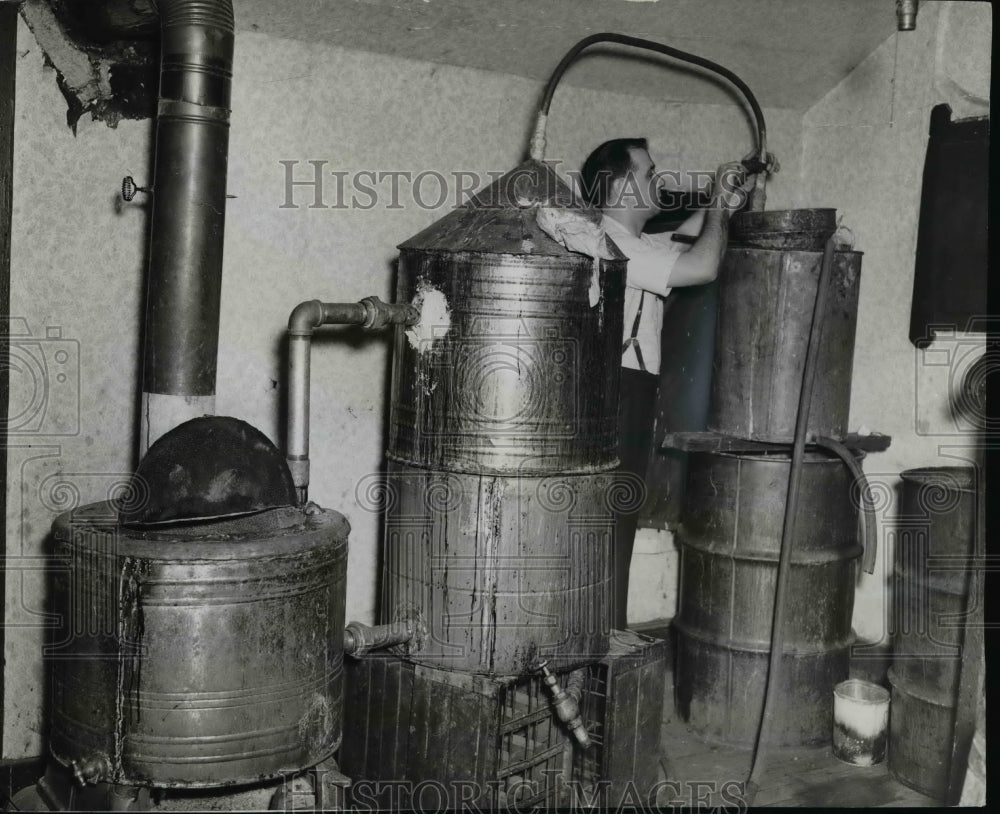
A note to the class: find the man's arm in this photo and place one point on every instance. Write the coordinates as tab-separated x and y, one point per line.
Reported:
692	225
700	263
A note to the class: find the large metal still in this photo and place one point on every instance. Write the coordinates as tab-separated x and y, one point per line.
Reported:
197	655
510	380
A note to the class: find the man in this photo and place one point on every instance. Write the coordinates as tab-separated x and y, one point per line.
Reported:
621	180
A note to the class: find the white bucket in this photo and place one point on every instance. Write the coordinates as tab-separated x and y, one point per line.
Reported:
860	722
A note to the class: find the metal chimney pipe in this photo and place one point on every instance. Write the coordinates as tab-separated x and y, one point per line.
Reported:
906	15
180	353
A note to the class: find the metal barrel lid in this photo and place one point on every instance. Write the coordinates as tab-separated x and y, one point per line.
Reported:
792	229
206	468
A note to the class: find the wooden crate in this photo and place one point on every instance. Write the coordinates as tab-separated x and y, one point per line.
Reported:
418	737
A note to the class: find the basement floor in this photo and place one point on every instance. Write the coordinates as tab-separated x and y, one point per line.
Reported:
698	774
707	774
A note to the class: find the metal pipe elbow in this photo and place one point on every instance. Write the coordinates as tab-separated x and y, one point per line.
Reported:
305	318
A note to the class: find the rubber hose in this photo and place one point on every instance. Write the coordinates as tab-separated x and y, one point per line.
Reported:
788	527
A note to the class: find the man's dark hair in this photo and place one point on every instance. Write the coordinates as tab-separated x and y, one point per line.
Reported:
610	161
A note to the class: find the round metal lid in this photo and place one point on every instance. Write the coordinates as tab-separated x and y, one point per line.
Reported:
208	467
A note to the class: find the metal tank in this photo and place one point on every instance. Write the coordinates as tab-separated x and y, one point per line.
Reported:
516	369
729	541
196	655
931	576
767	288
506	570
509	379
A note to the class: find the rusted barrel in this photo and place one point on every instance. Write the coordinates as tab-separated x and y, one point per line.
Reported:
198	655
730	540
766	299
931	574
505	571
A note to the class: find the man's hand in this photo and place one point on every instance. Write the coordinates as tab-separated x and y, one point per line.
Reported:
732	186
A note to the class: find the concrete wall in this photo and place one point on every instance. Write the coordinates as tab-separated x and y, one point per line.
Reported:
79	264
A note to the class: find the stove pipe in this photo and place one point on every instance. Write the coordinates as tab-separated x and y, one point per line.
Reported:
188	215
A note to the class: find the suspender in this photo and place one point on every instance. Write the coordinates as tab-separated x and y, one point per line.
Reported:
634	338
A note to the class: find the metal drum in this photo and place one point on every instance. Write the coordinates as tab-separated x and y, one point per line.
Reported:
931	576
729	540
197	655
515	366
505	571
766	299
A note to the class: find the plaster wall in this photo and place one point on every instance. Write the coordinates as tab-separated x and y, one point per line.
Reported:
78	263
863	150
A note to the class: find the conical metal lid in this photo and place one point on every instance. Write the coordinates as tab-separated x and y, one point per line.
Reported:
501	218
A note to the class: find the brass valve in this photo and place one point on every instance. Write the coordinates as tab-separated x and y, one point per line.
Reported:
566	707
91	769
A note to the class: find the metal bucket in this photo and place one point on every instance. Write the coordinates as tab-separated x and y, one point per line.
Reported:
729	540
198	655
505	571
766	300
934	539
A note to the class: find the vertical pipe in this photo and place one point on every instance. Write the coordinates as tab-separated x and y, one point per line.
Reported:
188	215
788	528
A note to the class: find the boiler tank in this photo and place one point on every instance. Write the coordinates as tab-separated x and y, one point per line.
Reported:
505	410
197	655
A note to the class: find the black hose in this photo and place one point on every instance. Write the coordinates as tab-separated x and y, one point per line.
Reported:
651	45
868	516
788	528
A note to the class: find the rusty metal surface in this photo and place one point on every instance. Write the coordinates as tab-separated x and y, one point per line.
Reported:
801	229
521	376
201	655
208	467
766	303
729	540
505	571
